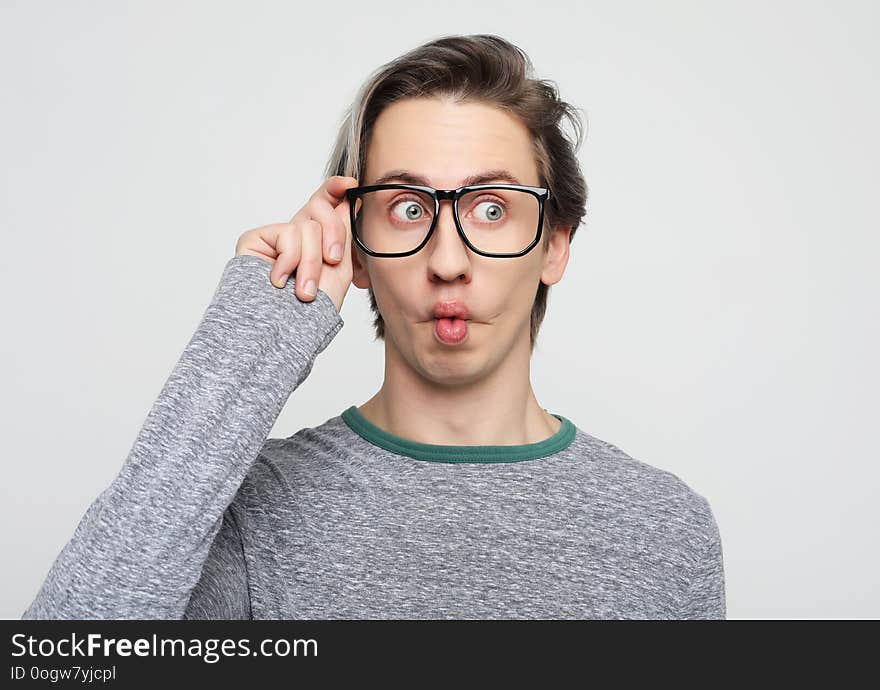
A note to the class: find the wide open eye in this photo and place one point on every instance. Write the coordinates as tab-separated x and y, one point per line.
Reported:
493	211
408	209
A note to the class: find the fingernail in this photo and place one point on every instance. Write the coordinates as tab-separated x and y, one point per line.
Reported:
336	252
282	281
310	288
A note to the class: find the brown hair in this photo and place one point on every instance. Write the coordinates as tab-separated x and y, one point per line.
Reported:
478	68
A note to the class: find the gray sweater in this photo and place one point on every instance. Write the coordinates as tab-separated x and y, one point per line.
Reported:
209	518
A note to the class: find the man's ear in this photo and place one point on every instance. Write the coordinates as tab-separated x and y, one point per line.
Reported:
359	276
556	258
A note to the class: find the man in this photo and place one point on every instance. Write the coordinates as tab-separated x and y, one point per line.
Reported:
451	493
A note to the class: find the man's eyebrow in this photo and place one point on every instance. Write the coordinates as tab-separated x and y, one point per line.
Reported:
407	177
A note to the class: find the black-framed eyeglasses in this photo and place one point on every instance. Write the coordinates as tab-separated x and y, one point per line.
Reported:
513	228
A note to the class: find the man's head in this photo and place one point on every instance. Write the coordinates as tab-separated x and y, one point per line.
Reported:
446	111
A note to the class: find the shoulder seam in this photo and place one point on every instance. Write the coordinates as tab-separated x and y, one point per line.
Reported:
261	458
247	573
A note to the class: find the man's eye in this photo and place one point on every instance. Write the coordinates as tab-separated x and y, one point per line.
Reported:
408	209
493	210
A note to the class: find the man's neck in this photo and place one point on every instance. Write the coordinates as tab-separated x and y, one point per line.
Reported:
499	409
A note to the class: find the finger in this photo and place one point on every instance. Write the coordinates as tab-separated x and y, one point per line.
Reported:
287	246
333	229
333	189
311	261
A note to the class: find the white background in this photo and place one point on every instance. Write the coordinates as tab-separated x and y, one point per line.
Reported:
716	318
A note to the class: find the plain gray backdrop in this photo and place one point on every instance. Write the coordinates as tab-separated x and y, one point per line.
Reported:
718	317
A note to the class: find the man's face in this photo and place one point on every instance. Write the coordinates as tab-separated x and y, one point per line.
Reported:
445	143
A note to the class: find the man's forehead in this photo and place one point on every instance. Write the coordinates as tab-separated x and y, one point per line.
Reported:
446	145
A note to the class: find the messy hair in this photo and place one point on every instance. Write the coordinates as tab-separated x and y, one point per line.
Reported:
480	68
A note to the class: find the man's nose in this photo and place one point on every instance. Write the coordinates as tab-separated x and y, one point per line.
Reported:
446	221
447	255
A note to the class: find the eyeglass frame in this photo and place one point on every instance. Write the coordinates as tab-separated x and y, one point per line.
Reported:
542	194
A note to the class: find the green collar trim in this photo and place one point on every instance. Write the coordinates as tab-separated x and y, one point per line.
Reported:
445	453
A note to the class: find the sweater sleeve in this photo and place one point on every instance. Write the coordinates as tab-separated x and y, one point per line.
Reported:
139	550
706	596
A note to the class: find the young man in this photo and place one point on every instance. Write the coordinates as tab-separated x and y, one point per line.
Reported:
451	493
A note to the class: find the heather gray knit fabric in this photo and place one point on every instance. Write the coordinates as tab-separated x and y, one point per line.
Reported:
208	518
